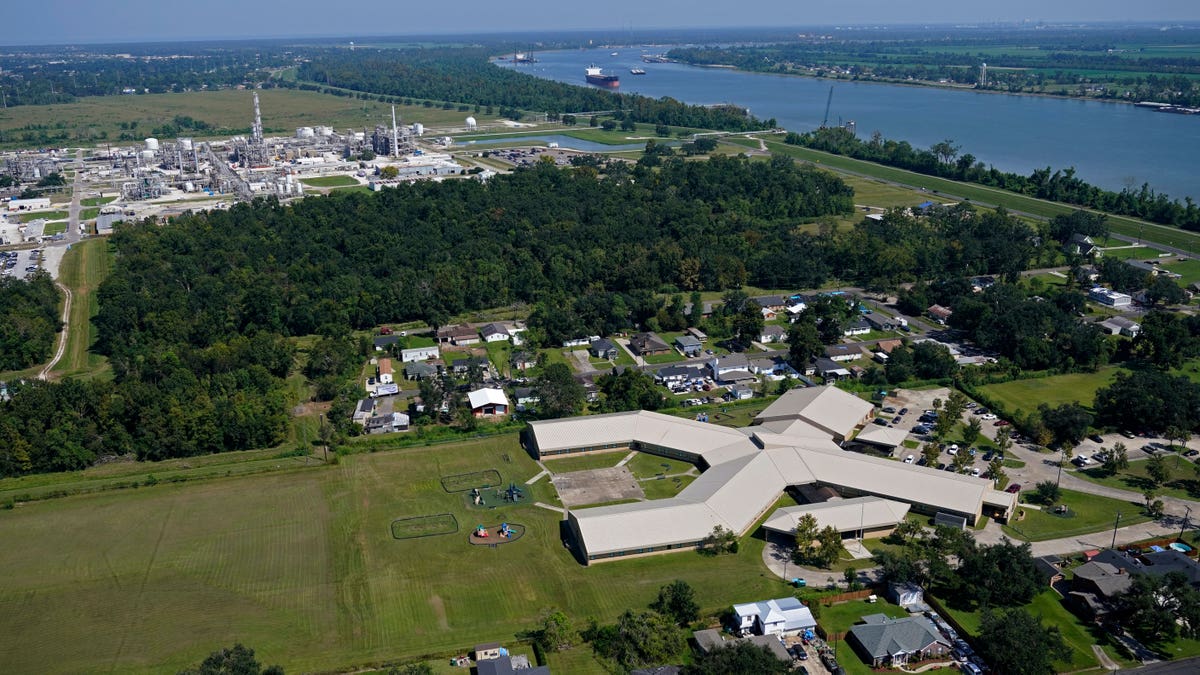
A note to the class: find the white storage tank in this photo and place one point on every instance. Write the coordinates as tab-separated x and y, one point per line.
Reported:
304	132
472	124
185	144
152	144
324	131
418	129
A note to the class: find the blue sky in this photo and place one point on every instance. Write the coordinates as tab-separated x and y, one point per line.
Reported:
57	21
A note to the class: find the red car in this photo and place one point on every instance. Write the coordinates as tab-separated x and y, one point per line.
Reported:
1001	423
1013	489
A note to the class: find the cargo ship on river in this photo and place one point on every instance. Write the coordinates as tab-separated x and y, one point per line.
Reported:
596	76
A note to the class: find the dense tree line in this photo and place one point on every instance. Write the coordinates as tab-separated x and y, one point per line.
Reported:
465	75
944	160
30	321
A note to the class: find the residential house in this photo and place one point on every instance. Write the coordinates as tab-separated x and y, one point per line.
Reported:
906	595
842	353
796	305
386	375
1082	245
461	335
1087	275
773	302
830	370
1144	266
526	398
421	370
648	344
604	349
579	342
879	321
1119	325
859	326
386	424
980	284
489	651
689	345
775	367
740	392
1095	585
523	361
363	411
419	354
772	333
1048	569
731	369
495	332
697	333
887	346
769	314
382	342
706	310
464	366
939	314
780	616
509	665
885	642
1109	297
1155	562
675	375
488	402
711	638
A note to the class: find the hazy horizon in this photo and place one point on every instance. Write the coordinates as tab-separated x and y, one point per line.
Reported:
131	21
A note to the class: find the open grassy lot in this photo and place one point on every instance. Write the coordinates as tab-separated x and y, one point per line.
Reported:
56	227
1189	270
1026	395
44	215
645	465
940	188
96	201
665	488
1087	513
329	181
303	566
84	267
227	111
1183	481
1048	606
1132	253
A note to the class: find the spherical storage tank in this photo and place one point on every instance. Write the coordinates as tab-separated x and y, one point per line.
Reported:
152	144
471	124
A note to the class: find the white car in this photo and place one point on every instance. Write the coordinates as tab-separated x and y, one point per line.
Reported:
988	416
975	472
953	450
909	459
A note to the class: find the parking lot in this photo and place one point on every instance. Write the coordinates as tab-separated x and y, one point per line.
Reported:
914	404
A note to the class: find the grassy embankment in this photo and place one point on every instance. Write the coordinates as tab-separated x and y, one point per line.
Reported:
303	567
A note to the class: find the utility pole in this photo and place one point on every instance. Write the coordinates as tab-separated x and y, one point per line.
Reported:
1187	514
1115	526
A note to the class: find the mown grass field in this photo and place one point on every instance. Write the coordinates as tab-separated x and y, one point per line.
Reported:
84	268
329	181
1026	395
1087	513
229	110
303	567
1182	480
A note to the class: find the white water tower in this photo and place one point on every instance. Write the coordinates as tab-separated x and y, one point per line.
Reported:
472	125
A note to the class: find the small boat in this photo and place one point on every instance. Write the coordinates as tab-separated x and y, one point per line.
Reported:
614	54
637	71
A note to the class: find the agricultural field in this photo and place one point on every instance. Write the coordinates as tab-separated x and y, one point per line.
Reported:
227	111
303	566
1026	395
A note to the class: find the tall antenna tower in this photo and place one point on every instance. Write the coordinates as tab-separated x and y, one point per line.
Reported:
256	133
983	75
395	135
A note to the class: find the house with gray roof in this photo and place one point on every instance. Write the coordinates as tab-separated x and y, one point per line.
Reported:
603	349
882	641
648	344
772	333
689	345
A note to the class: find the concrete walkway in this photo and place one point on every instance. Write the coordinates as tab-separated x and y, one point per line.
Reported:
531	481
929	666
628	458
1105	662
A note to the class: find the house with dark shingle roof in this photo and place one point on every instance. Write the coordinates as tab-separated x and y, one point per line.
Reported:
648	344
883	641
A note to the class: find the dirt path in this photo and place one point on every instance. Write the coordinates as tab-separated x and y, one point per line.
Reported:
62	340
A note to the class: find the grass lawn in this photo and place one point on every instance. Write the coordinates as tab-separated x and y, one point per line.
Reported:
597	460
330	181
47	215
1183	481
1087	514
1025	395
1132	253
303	567
579	660
55	227
645	465
1188	269
665	488
1049	608
96	201
670	357
89	213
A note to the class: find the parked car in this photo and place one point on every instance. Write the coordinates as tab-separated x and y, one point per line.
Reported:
987	456
909	459
1014	488
881	422
1096	438
1128	434
1001	423
953	449
975	471
1191	453
889	409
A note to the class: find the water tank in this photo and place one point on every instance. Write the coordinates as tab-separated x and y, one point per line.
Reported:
324	131
304	132
148	155
418	129
471	123
185	144
152	144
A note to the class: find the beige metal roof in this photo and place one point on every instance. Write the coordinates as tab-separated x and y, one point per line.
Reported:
886	436
657	523
845	515
829	408
625	427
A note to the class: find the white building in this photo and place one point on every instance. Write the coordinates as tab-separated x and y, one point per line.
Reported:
419	354
781	616
29	204
386	375
1109	297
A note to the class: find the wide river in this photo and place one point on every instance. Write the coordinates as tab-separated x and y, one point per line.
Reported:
1109	144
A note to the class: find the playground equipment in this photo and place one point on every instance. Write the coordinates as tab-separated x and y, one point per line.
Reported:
482	532
513	493
505	531
477	498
